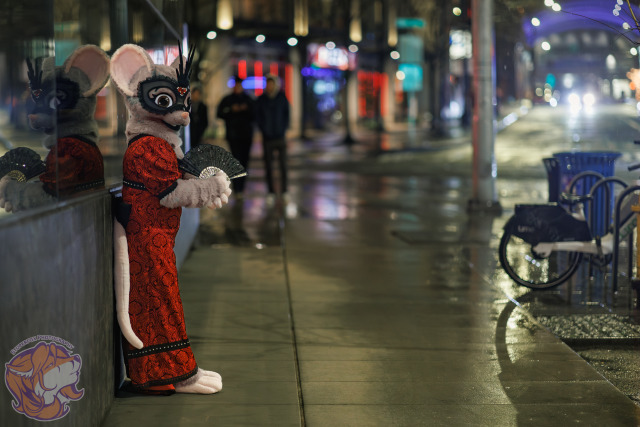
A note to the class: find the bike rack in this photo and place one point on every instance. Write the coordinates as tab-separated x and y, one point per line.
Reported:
616	236
608	180
618	205
582	176
608	222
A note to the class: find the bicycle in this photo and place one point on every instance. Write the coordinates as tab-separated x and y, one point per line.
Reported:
543	244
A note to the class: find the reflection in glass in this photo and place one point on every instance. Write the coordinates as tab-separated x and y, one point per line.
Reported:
24	34
64	100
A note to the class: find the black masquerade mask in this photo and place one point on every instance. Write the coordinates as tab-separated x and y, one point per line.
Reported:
62	95
162	94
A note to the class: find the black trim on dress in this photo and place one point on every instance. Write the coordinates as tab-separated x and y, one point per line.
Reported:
158	348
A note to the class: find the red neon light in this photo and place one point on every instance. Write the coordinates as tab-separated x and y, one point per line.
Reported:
257	72
362	100
375	81
384	90
273	68
288	82
242	69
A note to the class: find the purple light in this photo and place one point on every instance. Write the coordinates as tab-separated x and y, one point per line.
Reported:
320	73
250	83
576	15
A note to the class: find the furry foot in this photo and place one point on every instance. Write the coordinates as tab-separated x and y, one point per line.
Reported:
200	384
210	373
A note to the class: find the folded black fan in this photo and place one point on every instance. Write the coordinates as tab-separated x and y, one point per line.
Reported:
206	160
21	164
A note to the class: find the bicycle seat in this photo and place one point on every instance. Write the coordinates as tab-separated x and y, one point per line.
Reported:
573	199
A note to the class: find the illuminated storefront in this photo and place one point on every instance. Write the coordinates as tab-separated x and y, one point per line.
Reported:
324	84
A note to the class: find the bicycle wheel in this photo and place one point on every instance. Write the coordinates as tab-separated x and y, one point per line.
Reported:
528	269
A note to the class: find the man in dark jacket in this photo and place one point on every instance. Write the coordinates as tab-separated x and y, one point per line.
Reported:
238	111
273	121
198	117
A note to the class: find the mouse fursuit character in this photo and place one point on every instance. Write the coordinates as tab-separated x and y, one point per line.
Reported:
65	103
149	309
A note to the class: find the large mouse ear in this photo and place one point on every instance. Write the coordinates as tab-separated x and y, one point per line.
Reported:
125	62
177	63
93	62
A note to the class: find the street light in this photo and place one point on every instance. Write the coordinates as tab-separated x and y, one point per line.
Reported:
300	18
225	15
355	26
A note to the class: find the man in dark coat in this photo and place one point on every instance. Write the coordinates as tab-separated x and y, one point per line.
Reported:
238	112
199	116
273	121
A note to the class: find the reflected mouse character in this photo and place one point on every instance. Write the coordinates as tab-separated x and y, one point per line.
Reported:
149	309
65	102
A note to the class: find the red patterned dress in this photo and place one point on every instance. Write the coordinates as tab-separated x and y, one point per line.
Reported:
155	308
75	164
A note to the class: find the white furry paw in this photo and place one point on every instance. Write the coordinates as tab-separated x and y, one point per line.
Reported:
212	192
213	205
210	374
7	206
204	384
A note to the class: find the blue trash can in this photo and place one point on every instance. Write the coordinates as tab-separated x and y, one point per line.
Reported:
553	178
572	163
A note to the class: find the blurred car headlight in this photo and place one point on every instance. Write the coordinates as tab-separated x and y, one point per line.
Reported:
574	99
588	99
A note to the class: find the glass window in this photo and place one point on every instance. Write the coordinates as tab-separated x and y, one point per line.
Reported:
61	119
26	138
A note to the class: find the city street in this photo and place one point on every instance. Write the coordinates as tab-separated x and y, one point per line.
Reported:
410	259
369	296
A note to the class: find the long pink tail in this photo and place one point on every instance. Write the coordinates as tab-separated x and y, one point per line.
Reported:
121	283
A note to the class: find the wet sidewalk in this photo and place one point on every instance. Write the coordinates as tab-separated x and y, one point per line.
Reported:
366	299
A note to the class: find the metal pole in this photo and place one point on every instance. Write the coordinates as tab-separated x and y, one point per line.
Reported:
348	138
484	194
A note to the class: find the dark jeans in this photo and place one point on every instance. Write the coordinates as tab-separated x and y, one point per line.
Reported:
241	150
270	147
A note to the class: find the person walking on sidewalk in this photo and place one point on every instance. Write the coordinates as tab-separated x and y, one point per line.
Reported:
238	112
272	115
199	116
